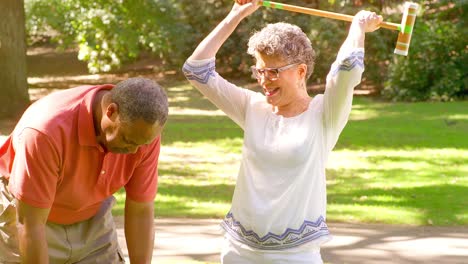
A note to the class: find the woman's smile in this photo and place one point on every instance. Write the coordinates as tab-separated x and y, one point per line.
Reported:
270	91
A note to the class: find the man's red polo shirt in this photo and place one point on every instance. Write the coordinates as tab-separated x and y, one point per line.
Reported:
52	159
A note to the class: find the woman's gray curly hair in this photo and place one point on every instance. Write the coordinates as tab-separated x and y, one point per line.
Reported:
286	41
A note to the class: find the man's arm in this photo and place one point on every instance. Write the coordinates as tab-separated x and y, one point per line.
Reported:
31	234
139	231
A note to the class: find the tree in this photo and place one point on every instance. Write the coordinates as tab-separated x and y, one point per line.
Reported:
13	78
111	33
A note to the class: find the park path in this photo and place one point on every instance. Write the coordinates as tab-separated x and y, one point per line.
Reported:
199	240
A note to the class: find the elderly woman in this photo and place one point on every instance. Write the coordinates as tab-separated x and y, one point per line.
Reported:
279	203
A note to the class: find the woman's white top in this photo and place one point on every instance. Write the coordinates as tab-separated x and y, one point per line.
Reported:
280	197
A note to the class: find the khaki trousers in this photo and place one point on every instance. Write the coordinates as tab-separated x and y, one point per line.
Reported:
91	241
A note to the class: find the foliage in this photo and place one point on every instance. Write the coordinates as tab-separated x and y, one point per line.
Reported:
436	68
109	33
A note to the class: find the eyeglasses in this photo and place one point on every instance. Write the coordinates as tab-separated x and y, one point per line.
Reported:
271	74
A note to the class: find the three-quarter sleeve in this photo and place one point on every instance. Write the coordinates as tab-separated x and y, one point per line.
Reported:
228	97
344	75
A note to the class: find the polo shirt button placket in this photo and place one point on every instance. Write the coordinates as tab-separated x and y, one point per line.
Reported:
102	173
102	176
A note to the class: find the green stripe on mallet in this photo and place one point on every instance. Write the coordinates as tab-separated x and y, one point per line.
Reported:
275	5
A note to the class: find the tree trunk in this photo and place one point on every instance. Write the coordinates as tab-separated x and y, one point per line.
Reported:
14	96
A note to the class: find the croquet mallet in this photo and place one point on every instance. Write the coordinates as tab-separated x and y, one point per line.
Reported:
405	28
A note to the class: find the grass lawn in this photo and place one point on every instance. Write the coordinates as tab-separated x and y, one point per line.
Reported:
395	163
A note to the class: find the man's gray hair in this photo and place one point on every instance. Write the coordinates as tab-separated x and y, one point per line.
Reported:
287	41
140	98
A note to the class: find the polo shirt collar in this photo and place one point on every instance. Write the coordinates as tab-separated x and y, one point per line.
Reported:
86	133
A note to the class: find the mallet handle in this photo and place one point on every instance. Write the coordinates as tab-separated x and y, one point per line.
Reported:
321	13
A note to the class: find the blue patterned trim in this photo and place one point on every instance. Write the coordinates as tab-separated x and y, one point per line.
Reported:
356	58
201	73
307	232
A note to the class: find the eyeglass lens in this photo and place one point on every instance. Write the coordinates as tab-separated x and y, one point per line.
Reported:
271	74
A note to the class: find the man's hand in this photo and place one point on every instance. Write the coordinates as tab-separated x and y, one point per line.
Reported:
31	234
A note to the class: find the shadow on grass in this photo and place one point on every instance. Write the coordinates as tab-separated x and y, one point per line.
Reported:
196	128
183	95
438	204
405	125
179	170
199	200
184	200
208	193
446	161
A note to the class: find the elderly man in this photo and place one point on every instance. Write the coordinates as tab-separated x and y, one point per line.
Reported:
68	154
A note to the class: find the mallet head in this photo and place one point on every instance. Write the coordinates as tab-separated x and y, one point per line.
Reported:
406	28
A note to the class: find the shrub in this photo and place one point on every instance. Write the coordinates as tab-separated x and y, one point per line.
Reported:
435	69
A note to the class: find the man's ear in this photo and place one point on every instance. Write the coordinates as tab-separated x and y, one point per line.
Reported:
112	111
